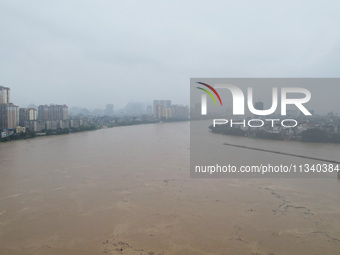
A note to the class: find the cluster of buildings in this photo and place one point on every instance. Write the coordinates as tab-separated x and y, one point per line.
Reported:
164	110
329	123
16	119
47	117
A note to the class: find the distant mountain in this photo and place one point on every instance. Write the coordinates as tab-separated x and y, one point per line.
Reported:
78	111
32	106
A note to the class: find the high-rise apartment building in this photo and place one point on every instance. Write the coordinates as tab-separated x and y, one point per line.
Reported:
27	114
9	116
4	95
9	113
164	110
159	108
52	112
109	110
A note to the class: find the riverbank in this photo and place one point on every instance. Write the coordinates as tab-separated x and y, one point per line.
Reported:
32	134
311	135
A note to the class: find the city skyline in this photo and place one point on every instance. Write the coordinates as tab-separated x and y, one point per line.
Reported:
103	106
55	119
319	108
114	58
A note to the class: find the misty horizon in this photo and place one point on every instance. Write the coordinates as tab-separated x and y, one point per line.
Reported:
89	54
263	97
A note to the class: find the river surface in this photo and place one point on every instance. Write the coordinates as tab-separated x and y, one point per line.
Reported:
127	190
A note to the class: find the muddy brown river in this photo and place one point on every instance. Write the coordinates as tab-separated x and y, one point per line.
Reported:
127	190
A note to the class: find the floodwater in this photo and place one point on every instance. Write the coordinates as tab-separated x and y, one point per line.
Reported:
127	190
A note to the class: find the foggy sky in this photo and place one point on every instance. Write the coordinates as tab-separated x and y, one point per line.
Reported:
91	53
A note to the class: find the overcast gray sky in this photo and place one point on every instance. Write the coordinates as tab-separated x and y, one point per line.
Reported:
90	53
